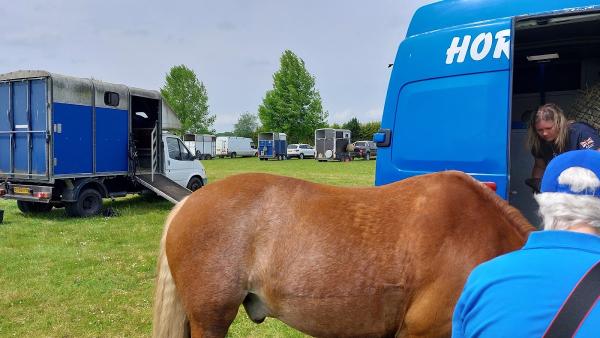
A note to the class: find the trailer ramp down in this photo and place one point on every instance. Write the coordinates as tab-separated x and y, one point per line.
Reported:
163	186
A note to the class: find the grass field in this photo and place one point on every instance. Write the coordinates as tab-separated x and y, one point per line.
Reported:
94	277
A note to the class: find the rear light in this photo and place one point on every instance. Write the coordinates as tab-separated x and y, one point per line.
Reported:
2	191
491	185
42	194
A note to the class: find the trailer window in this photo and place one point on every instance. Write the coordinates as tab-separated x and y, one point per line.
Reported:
111	99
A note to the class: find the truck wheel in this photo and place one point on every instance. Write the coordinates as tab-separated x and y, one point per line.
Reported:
301	156
368	157
24	206
233	155
194	184
88	204
28	207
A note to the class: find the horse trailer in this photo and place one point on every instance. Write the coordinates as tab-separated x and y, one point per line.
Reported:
272	145
332	144
69	142
467	76
204	146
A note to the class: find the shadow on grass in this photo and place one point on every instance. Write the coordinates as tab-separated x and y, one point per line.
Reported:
116	208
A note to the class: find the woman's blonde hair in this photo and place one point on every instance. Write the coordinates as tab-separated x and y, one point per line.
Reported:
549	112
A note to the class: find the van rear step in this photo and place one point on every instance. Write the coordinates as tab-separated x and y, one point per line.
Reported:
163	186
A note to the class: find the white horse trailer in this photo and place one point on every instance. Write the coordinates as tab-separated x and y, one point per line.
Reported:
204	146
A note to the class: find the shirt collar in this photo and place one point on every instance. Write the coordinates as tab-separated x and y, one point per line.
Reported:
563	239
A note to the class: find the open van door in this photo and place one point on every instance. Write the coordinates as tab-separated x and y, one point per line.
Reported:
448	105
556	60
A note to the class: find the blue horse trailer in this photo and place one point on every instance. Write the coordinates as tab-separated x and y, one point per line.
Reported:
468	75
69	142
272	145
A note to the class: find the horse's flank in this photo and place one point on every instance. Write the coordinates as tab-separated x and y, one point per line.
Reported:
334	261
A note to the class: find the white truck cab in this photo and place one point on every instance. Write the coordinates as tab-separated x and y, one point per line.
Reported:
181	166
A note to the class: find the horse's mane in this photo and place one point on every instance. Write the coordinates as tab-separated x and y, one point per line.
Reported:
514	216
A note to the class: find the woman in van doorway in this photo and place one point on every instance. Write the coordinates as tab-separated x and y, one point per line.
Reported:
550	134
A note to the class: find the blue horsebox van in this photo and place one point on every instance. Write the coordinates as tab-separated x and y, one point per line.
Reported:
468	75
69	142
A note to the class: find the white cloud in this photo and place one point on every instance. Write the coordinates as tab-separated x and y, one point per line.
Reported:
234	46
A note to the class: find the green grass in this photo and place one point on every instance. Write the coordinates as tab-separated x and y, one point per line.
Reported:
94	277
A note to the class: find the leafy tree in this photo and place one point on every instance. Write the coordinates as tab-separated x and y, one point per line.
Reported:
368	129
293	106
188	98
246	126
335	125
354	126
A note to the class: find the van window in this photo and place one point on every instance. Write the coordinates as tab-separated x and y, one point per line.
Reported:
111	99
461	131
185	153
173	147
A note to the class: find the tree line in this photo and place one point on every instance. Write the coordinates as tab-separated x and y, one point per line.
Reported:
293	106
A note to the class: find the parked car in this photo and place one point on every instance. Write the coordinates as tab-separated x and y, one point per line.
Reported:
300	151
364	149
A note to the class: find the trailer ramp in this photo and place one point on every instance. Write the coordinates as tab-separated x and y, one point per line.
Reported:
163	186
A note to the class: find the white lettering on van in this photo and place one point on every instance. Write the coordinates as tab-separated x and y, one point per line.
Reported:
456	49
480	47
477	54
502	43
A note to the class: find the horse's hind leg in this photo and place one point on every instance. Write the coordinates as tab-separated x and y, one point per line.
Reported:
211	309
212	321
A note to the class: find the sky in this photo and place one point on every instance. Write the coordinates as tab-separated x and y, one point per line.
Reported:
233	46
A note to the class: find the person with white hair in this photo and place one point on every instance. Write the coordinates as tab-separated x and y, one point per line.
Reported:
551	287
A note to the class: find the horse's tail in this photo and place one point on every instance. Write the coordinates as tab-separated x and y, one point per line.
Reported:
169	319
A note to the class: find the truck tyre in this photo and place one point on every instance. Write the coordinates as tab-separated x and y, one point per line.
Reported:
89	203
28	207
24	206
194	184
368	156
233	155
301	156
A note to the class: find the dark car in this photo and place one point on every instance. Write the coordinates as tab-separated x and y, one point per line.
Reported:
364	149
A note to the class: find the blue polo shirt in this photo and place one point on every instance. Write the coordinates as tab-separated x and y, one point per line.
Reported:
518	294
581	136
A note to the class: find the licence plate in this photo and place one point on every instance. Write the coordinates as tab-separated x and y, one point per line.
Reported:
21	190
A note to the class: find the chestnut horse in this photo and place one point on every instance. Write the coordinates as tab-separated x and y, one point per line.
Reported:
329	261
